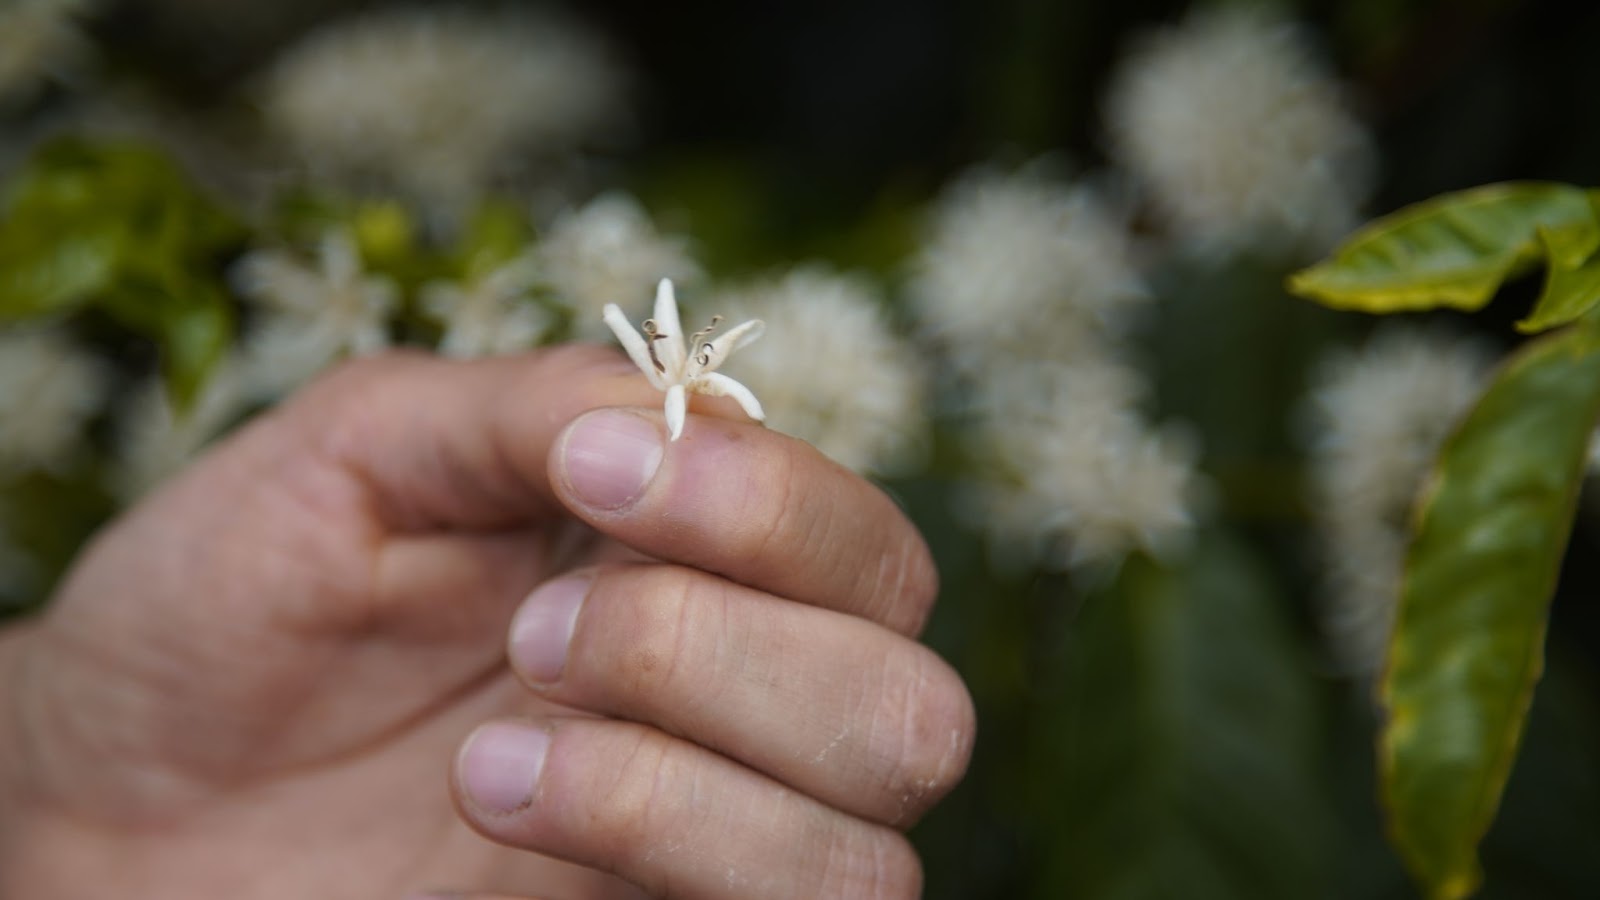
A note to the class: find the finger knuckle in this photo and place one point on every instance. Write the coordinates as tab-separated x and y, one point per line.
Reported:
777	523
929	724
908	581
878	864
633	810
666	650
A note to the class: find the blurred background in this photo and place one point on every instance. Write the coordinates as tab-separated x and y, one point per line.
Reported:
1022	263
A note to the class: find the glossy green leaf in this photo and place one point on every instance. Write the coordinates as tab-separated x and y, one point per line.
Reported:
1184	764
1569	292
1469	635
119	226
191	322
1454	250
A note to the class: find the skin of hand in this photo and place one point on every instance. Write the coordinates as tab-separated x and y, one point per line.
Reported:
478	627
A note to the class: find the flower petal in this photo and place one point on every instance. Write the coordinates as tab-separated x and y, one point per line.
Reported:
677	409
670	346
716	352
715	384
341	258
638	350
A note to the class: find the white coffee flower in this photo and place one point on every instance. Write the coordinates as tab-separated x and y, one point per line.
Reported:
862	401
1071	476
1377	417
679	365
48	391
315	314
436	102
1239	134
39	40
607	252
490	314
1022	263
156	441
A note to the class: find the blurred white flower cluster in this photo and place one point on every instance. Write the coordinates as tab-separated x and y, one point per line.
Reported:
1022	263
49	389
609	251
439	102
1027	284
489	314
833	371
314	314
39	41
1238	133
1377	417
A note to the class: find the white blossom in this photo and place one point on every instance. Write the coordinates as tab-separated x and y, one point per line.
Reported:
438	102
608	252
48	391
681	365
1072	476
314	314
1022	263
1239	134
156	442
1377	417
489	314
838	377
39	40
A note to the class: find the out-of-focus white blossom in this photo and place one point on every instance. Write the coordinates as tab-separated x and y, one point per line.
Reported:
490	314
682	364
1022	263
1239	134
834	373
609	251
1377	418
314	314
437	102
156	442
48	390
39	40
1071	474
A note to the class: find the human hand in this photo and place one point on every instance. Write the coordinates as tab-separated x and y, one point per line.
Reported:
254	683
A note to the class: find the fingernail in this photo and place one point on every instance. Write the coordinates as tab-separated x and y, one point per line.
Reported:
542	628
609	456
500	766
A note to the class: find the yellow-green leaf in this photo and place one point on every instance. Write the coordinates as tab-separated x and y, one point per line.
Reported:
1454	250
1469	635
1569	292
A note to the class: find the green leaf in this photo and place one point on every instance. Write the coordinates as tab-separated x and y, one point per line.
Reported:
1454	250
1184	763
498	233
192	323
1569	292
1468	642
119	226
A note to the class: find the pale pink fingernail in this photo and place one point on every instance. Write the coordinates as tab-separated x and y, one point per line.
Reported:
542	628
609	456
500	764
